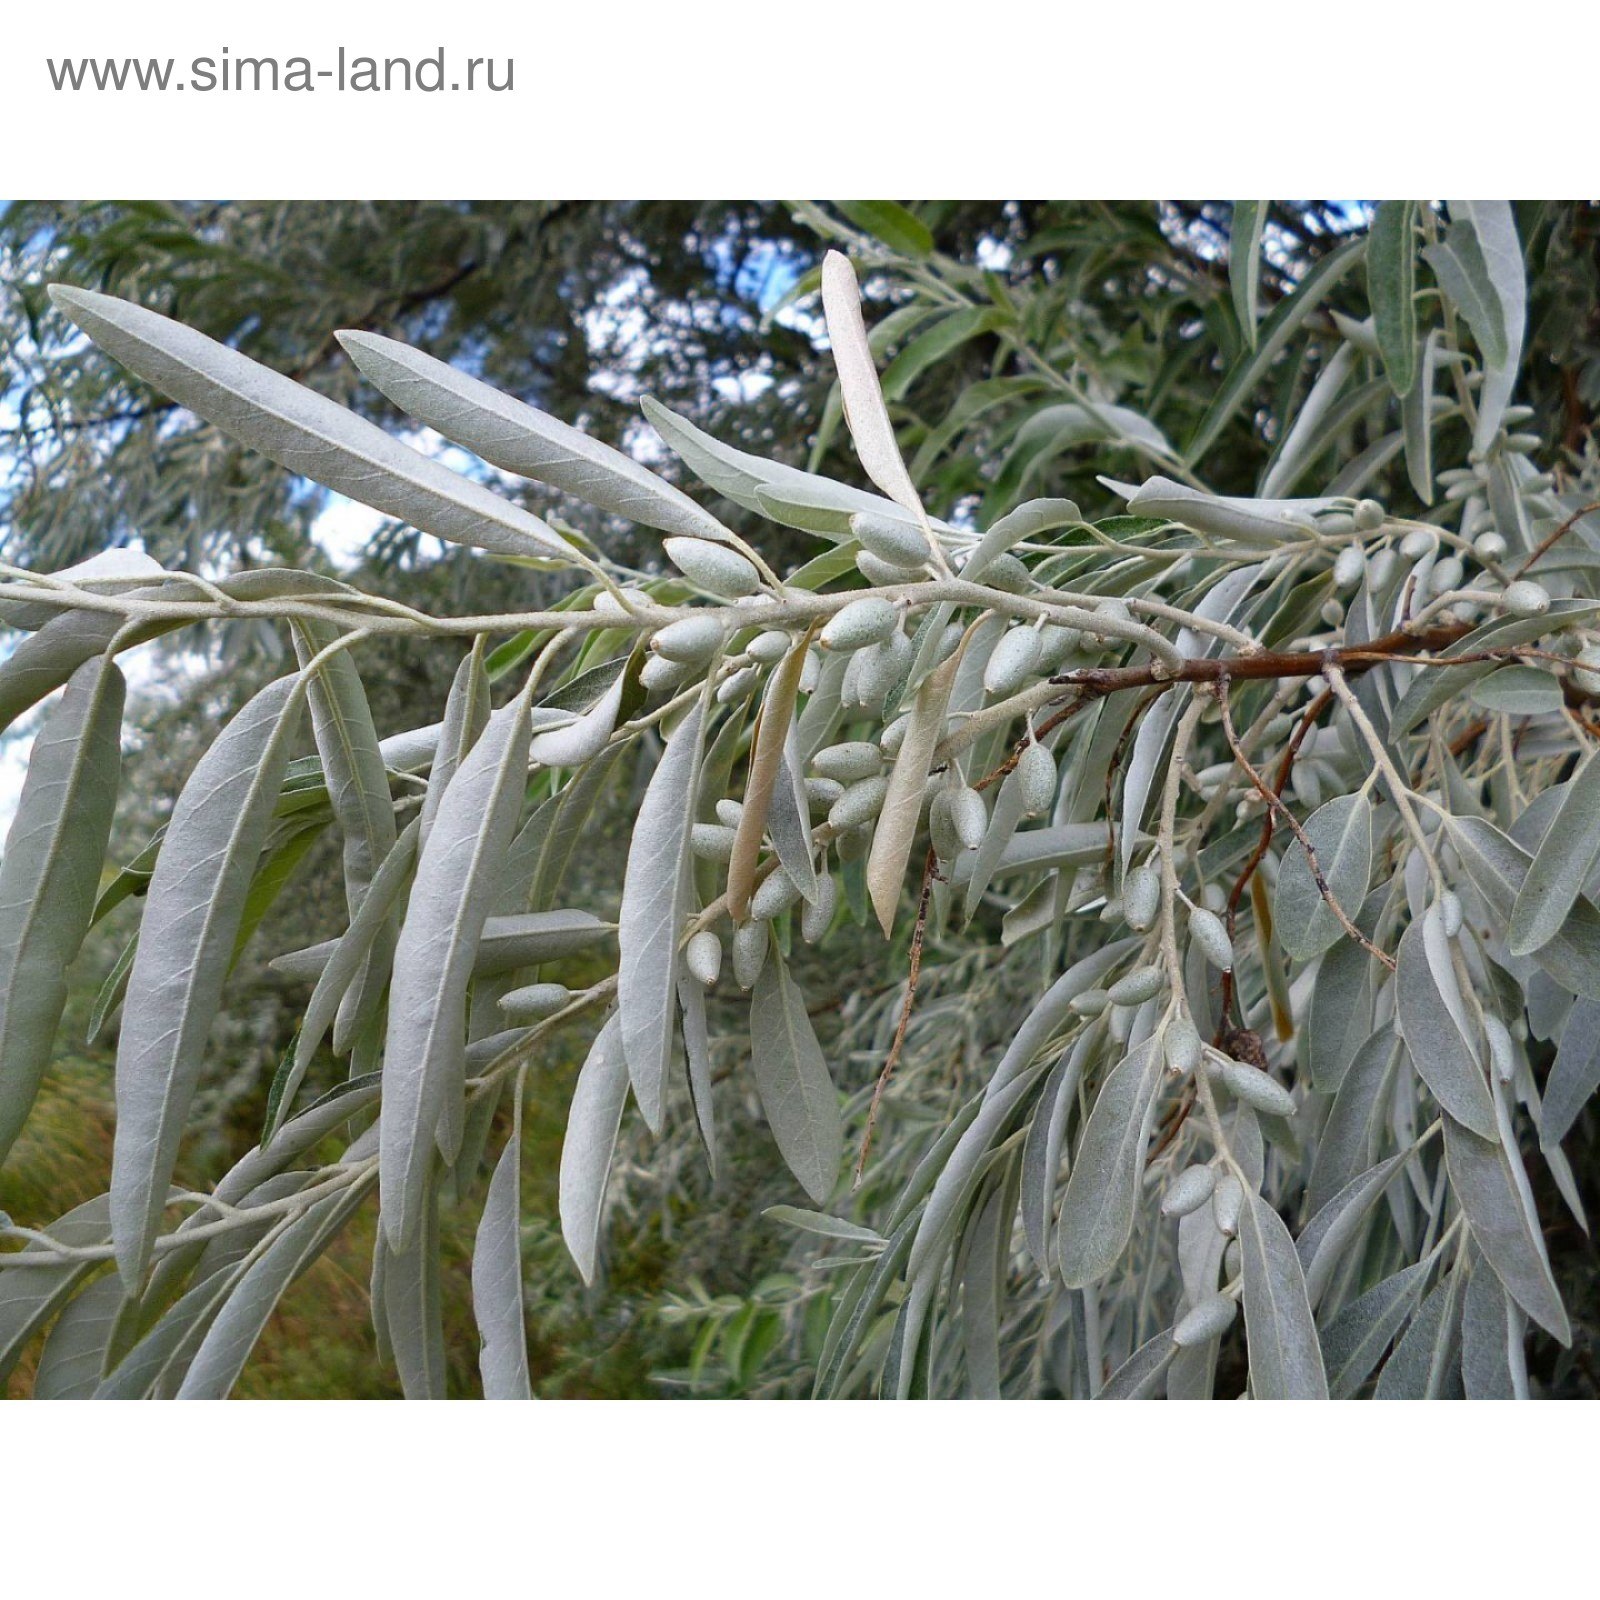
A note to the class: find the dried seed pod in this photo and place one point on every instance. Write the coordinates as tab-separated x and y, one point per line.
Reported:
1011	662
750	941
1141	898
1007	574
773	896
710	841
1188	1191
737	686
882	667
816	916
1227	1200
1143	983
1036	779
1586	669
1256	1089
969	817
769	647
1182	1046
861	802
690	640
1209	931
1350	567
862	622
899	544
703	957
881	573
822	792
535	1002
712	567
848	762
660	673
941	827
1524	598
1056	643
1211	1317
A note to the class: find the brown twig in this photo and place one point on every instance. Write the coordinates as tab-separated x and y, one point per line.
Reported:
1545	545
1275	801
929	872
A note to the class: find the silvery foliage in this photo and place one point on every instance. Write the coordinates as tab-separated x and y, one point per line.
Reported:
1290	806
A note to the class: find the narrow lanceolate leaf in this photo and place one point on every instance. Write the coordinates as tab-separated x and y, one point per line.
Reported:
1422	1366
74	1356
1479	265
347	742
1285	1357
1561	866
792	1078
233	1335
50	875
896	831
592	1124
1098	1208
192	913
413	1317
458	877
1244	262
1498	1205
1141	1375
1575	1075
1391	289
1434	1023
31	1295
1355	1340
497	1283
1341	834
655	897
766	763
1493	1363
466	715
517	438
303	430
864	411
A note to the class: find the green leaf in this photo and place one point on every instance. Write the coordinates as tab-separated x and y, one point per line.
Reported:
592	1123
1098	1208
864	410
1561	865
655	899
1575	1076
1493	1363
517	438
1479	265
890	223
1432	1017
797	1093
50	874
458	876
74	1355
1244	262
1422	1365
31	1295
195	904
820	1223
1274	334
1285	1357
1355	1340
497	1282
1493	1193
1341	834
239	1324
303	431
1391	289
